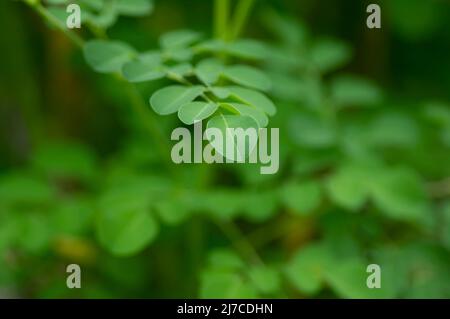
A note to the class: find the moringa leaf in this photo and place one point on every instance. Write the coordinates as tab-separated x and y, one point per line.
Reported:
134	8
247	76
178	39
107	56
138	71
168	100
243	109
225	124
208	71
329	54
302	198
349	90
247	49
180	71
196	111
126	231
252	97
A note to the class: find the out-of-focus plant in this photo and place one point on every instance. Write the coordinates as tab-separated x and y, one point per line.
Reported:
358	184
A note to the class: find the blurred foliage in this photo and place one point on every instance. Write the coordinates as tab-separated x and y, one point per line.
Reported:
86	175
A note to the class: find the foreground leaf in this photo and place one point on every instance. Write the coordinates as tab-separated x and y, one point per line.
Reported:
252	97
169	99
196	111
228	144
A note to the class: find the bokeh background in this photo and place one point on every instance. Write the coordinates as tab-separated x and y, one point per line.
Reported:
364	178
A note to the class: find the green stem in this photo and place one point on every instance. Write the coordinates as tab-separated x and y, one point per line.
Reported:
137	102
240	242
43	12
240	18
221	12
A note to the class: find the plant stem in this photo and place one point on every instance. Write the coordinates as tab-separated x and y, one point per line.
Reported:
221	12
239	241
137	102
240	18
43	12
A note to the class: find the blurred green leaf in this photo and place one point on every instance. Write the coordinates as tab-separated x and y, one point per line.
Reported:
178	39
139	71
329	54
126	231
354	91
306	269
303	198
247	76
107	56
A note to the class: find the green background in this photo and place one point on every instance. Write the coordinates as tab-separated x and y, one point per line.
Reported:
364	119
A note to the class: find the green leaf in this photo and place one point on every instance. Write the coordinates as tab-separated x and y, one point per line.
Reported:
243	109
125	231
328	54
252	97
35	233
399	194
92	4
266	279
224	123
244	48
223	203
168	100
414	270
354	91
57	2
17	188
392	129
225	259
306	269
180	71
196	111
260	205
179	54
247	76
220	92
171	211
225	285
178	39
151	57
72	217
209	70
106	18
446	225
349	187
349	280
302	198
107	56
311	131
247	49
138	71
134	8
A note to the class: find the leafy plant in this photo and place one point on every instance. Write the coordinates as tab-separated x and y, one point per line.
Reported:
362	178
